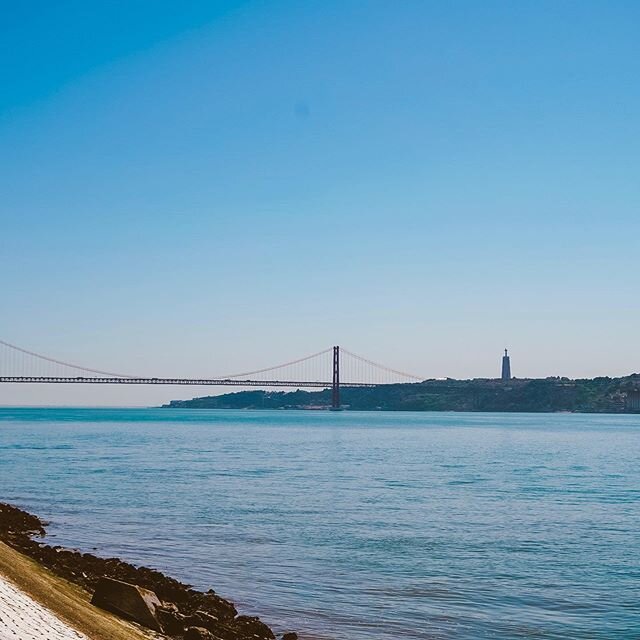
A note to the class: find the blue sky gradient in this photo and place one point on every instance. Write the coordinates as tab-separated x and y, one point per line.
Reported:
202	187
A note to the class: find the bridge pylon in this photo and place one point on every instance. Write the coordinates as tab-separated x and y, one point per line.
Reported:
335	384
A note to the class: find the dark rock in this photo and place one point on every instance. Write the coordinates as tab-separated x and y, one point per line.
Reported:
18	522
169	606
181	606
206	615
219	607
128	601
202	619
206	620
227	632
290	636
249	626
198	633
173	622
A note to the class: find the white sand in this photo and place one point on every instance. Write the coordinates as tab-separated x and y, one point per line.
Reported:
21	618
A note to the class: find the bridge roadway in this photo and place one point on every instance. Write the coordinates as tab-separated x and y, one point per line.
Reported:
182	381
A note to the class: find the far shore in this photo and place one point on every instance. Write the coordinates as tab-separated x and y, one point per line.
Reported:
515	395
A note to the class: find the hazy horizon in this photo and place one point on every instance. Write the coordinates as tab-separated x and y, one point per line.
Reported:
230	185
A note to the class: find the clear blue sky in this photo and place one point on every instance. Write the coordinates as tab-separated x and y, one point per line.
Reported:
197	187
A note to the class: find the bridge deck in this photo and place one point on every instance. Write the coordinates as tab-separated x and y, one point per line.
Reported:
181	381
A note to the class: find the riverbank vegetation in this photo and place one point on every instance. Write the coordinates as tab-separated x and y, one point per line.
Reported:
594	395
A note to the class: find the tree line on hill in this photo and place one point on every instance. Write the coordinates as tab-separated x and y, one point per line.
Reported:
595	395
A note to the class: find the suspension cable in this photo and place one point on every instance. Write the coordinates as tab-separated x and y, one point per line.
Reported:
227	377
381	366
61	362
279	366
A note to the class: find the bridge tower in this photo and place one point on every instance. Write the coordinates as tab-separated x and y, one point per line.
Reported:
335	385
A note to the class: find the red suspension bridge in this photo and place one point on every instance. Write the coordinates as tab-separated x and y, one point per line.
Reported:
331	368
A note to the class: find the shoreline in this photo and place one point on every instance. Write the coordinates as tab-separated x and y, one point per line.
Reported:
36	604
195	409
350	410
512	395
182	606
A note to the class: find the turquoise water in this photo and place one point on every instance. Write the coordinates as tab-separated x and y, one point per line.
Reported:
354	525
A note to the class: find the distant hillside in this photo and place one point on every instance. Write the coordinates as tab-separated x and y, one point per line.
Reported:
597	395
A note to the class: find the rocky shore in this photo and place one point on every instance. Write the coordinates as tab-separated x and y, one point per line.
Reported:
184	613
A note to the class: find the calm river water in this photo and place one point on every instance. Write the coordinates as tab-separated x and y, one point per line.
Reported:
354	525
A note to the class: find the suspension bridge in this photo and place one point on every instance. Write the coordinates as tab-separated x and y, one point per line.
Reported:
331	368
